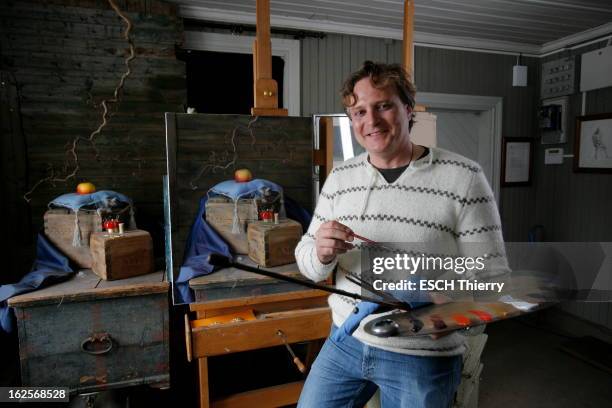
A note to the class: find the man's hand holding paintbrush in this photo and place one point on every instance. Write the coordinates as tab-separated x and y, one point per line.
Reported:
331	239
334	238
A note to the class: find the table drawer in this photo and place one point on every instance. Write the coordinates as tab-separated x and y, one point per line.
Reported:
297	325
95	344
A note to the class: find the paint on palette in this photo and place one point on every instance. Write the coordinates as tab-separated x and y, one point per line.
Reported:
461	319
438	322
417	325
482	315
500	309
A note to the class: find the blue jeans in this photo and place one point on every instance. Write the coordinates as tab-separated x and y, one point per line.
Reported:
347	373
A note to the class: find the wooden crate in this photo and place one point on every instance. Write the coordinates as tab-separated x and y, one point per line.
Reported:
59	228
119	256
273	244
125	321
220	216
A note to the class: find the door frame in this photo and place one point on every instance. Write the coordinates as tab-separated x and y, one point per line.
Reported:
288	50
490	104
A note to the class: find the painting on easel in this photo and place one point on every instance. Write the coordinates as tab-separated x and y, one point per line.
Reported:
205	150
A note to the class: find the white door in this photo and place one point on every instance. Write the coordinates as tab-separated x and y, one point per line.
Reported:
469	125
467	133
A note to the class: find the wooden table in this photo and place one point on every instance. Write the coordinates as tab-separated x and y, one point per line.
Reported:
231	283
302	315
88	334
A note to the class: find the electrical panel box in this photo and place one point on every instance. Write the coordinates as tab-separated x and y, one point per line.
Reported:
550	117
596	69
553	120
558	78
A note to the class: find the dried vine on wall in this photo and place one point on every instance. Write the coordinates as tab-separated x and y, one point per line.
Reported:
212	164
73	150
221	161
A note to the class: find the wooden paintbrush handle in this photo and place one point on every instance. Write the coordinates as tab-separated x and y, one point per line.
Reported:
364	239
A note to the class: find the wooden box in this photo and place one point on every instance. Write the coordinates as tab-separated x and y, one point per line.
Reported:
89	335
119	256
220	215
59	228
273	244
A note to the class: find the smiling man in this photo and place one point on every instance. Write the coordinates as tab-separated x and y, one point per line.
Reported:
382	119
394	192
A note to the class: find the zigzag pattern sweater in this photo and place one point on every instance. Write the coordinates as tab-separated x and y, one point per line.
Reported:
442	197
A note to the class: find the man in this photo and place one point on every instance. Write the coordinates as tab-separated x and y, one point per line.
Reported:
394	192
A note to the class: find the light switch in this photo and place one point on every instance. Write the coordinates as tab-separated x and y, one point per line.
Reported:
553	156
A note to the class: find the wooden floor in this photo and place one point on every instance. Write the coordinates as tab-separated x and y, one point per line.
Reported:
525	367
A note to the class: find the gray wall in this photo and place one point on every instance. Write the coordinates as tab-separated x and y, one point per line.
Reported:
576	206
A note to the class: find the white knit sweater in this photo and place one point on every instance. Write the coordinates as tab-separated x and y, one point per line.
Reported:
441	197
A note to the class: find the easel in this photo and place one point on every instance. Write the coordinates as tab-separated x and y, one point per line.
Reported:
265	89
408	44
300	316
424	133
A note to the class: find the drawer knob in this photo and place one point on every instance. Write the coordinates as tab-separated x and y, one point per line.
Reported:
97	344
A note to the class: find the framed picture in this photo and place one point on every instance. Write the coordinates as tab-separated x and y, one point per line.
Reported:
517	155
593	145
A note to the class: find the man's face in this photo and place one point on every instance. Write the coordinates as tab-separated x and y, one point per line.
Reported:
380	120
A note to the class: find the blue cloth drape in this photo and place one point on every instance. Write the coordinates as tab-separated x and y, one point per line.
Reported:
50	267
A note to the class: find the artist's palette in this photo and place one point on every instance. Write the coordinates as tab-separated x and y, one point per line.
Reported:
441	318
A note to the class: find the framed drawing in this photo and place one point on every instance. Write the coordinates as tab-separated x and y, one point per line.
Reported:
517	154
593	145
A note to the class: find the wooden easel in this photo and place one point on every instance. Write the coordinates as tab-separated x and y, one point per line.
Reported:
265	89
301	315
408	44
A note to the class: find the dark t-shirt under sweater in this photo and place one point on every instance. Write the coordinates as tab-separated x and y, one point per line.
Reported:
393	174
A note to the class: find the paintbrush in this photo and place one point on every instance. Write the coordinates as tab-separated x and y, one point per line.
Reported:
371	242
222	261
